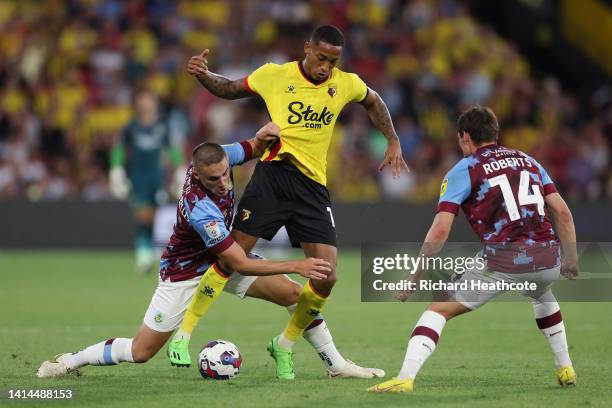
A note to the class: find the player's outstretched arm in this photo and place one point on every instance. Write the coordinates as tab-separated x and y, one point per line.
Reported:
564	224
434	241
217	85
380	117
234	259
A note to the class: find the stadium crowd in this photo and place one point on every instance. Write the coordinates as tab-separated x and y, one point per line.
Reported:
68	70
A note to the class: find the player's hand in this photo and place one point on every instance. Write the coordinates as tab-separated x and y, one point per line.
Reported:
312	268
268	134
119	184
394	158
198	64
569	270
402	295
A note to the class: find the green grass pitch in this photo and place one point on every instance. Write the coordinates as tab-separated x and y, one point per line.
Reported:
52	302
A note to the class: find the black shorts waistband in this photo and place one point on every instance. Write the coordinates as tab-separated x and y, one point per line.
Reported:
285	165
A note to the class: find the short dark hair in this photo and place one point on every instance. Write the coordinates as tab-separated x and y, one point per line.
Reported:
329	34
207	153
480	122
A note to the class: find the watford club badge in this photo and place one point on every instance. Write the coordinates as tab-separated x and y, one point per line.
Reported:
245	214
331	90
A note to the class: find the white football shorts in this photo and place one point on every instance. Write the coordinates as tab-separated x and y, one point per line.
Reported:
171	299
473	299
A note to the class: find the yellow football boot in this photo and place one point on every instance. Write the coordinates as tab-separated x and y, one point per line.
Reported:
566	376
393	385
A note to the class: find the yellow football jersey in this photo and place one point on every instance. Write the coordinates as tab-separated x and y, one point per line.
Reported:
305	112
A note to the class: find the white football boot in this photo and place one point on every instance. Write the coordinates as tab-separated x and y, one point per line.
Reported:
55	368
352	370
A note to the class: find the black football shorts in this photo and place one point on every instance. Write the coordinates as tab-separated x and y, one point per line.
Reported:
280	195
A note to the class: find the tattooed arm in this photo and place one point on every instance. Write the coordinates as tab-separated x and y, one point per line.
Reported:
380	117
216	84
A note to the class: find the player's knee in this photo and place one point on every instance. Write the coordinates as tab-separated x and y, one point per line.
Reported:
331	278
294	294
448	310
142	354
291	295
446	314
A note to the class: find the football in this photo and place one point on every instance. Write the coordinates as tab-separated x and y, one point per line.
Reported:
220	360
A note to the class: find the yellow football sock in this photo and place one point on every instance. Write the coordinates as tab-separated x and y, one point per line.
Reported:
308	307
210	287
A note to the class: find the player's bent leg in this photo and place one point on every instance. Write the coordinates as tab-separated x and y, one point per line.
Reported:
328	253
207	291
422	344
448	309
548	317
313	296
283	291
279	289
425	336
140	349
147	343
309	305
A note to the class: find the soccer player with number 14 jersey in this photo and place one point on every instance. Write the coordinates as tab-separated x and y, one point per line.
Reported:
507	198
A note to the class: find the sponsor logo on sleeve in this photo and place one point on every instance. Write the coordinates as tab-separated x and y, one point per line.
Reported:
443	187
212	229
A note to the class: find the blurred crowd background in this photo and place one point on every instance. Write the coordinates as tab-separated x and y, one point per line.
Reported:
69	68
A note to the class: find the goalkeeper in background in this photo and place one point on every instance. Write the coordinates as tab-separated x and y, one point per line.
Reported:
137	167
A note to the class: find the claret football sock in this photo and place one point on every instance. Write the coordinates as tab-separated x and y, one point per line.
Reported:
550	322
308	308
210	287
319	336
108	352
422	343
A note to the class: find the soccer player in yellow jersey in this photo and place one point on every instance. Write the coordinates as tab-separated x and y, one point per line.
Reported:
304	98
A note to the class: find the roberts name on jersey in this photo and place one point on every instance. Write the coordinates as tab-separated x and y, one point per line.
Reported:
501	192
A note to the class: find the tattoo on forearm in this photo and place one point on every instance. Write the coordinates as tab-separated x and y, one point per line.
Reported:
380	117
223	87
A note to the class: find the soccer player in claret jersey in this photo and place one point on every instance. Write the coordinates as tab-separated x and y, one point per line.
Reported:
288	186
507	198
200	239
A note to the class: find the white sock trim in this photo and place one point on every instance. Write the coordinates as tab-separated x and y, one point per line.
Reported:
433	320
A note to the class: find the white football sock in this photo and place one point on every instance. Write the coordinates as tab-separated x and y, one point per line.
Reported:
108	352
422	343
285	343
549	320
181	335
322	341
